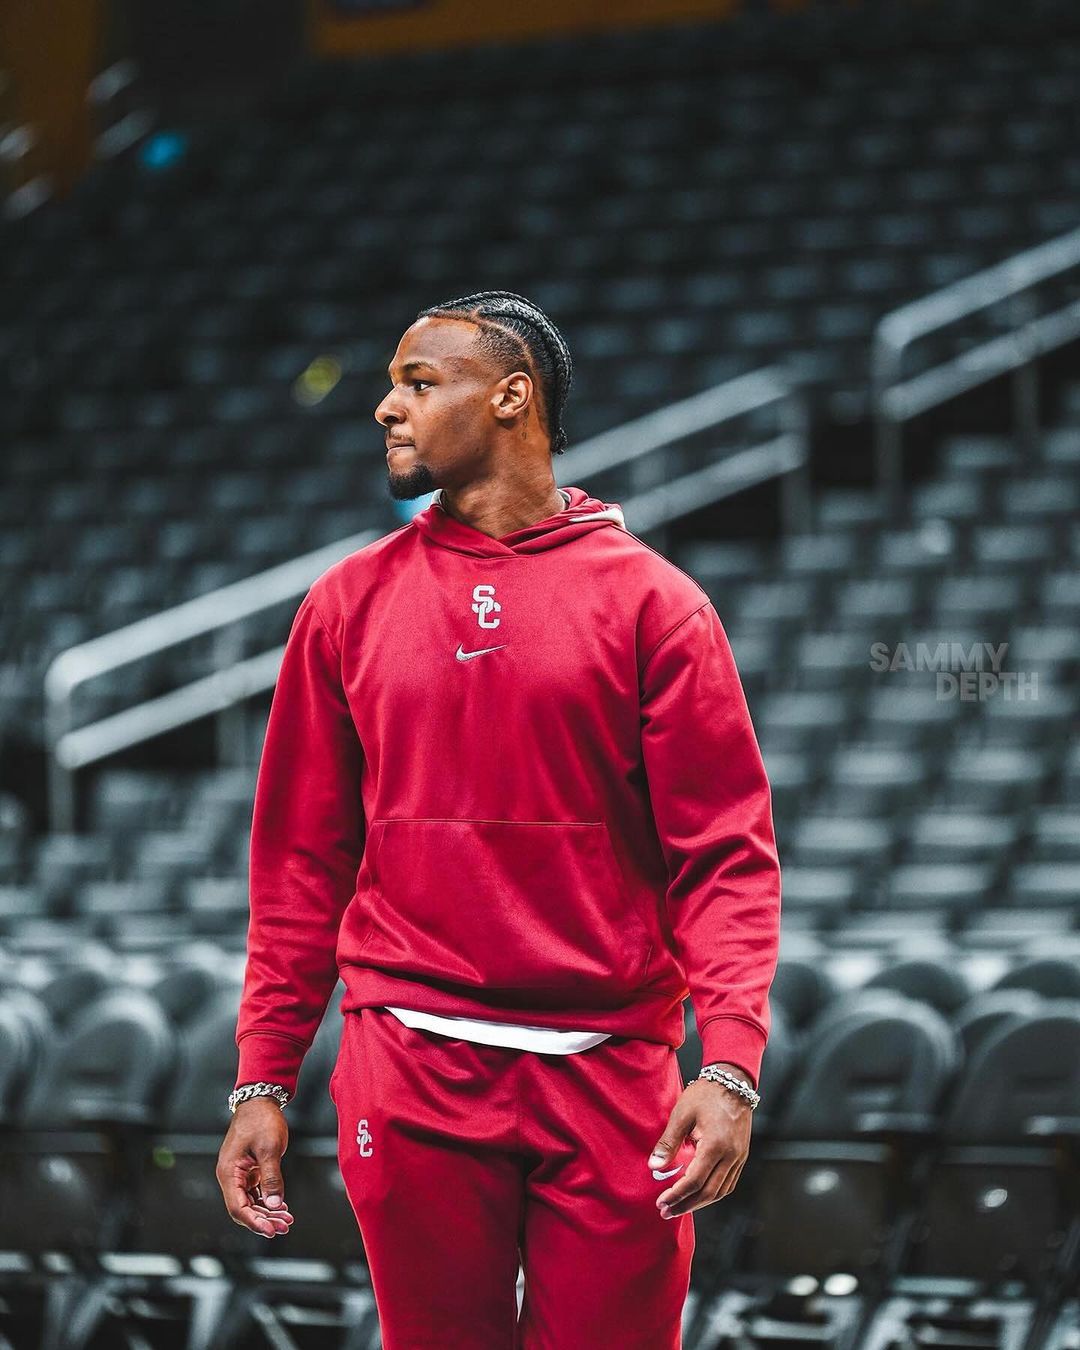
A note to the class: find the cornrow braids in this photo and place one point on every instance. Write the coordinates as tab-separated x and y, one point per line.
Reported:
515	329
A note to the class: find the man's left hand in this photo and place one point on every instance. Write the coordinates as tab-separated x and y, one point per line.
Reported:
717	1120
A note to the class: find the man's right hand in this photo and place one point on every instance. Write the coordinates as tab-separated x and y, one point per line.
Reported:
249	1168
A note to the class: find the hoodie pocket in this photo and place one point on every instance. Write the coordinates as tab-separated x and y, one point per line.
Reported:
536	908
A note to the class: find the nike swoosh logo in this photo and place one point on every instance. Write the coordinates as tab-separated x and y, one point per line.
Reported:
463	655
663	1176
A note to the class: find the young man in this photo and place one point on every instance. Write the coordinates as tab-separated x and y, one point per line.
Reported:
510	791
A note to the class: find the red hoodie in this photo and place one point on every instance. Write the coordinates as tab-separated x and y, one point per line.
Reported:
512	779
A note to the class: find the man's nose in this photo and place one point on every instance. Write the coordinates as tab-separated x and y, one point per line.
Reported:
386	414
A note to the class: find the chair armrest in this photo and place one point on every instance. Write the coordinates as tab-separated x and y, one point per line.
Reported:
107	1112
910	1125
1054	1127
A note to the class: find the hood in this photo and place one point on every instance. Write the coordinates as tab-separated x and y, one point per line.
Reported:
581	515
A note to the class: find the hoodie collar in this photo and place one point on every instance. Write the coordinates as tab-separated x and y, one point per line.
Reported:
581	515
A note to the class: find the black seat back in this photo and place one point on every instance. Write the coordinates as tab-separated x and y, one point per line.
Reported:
829	1187
109	1067
935	982
984	1012
1049	976
877	1052
1028	1066
1001	1198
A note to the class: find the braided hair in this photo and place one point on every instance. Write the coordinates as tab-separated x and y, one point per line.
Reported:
516	331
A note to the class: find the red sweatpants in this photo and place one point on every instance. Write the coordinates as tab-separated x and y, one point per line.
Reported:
461	1159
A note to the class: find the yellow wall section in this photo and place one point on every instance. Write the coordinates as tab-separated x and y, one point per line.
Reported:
50	53
447	23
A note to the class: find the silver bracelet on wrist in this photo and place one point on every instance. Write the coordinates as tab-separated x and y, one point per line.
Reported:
248	1090
728	1080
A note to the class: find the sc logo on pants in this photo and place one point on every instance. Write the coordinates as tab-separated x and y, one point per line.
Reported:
363	1138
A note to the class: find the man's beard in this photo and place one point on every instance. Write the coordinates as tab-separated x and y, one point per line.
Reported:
414	482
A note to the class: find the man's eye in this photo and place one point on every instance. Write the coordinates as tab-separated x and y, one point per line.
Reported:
419	382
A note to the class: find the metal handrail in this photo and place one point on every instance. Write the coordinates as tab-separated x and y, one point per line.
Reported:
71	749
897	399
784	455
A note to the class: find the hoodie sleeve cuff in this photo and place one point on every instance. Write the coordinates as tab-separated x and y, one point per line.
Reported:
731	1040
267	1058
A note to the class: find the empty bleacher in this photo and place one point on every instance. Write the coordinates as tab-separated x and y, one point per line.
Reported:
691	203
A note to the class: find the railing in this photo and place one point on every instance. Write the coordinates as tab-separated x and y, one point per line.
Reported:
1010	287
71	749
782	454
657	498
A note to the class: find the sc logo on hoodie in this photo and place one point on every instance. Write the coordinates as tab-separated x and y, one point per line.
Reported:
484	604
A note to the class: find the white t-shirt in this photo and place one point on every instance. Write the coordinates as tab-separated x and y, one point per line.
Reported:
542	1040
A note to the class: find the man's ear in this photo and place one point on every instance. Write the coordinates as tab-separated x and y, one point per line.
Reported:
513	394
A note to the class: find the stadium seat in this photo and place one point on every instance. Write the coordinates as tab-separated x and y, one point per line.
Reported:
826	1190
1049	977
985	1011
938	984
66	1164
995	1205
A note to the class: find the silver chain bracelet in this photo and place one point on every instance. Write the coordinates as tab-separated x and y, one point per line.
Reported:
728	1080
242	1094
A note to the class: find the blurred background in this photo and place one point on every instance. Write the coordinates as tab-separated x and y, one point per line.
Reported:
818	266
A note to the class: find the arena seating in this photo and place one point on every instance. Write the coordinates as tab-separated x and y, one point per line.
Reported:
691	210
690	202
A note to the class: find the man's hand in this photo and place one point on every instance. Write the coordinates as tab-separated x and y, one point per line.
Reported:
717	1120
249	1168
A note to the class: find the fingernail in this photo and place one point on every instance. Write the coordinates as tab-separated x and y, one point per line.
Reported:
273	1202
656	1159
